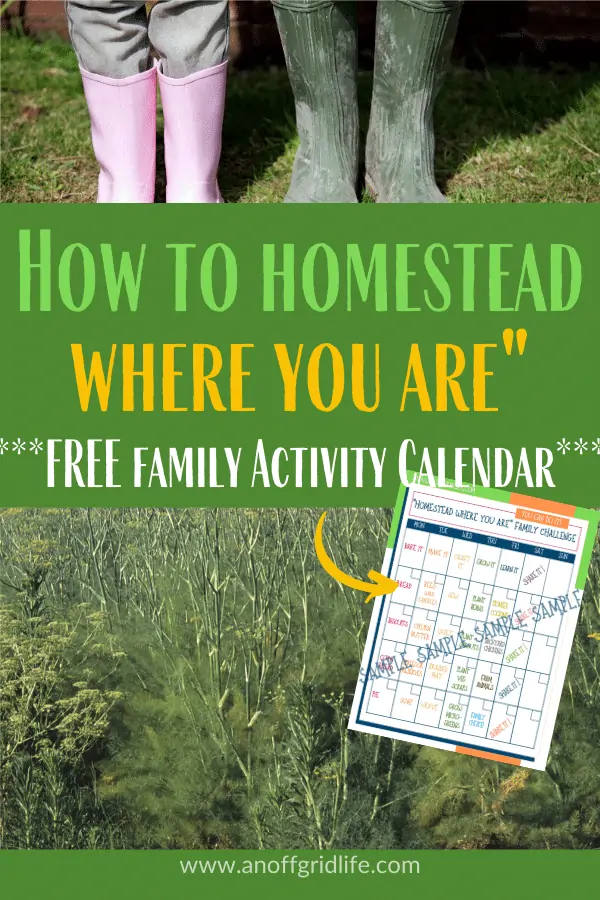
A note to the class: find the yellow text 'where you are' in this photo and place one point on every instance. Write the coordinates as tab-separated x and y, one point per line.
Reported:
199	377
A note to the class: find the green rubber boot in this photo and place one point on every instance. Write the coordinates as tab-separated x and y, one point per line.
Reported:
414	40
320	45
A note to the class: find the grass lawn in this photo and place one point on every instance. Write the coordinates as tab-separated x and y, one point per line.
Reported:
516	135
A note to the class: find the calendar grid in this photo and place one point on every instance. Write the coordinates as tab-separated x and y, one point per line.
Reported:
466	581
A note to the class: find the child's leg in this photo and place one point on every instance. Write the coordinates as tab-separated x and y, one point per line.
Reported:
110	38
190	35
111	42
192	39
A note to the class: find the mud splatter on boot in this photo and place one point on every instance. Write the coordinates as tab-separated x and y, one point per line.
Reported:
320	44
414	40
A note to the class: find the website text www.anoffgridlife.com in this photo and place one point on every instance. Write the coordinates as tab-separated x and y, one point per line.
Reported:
338	864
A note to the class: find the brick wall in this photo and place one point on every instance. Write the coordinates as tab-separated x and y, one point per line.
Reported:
486	25
45	15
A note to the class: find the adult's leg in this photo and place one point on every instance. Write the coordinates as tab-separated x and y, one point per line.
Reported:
111	42
320	45
192	40
414	39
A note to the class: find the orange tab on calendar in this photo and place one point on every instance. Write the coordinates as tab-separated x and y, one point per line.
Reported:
541	518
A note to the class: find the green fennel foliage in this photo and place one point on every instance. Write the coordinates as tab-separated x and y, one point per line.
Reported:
183	678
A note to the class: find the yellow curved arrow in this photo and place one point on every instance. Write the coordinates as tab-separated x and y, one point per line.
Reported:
379	584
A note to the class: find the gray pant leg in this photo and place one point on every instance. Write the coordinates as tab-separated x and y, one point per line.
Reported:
110	37
190	35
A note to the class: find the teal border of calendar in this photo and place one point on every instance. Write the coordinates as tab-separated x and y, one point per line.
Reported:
589	515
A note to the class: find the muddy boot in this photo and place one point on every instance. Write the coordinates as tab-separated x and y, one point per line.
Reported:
414	40
320	45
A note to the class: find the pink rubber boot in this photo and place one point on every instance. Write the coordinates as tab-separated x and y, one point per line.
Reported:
193	108
123	116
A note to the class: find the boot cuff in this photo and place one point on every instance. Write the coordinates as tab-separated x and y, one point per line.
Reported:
195	76
148	75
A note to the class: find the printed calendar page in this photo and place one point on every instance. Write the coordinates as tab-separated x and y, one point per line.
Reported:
470	652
